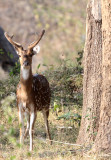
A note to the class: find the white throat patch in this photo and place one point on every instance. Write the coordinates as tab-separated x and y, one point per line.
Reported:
25	73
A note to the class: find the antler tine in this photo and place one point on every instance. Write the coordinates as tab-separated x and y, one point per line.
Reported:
32	45
9	38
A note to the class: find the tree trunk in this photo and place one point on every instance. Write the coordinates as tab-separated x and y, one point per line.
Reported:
103	139
92	74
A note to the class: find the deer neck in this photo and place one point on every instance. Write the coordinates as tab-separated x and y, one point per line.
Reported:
26	78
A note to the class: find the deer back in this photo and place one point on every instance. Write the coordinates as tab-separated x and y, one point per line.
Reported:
41	90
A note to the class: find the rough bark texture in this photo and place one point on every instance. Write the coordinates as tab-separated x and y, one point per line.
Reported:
92	74
103	139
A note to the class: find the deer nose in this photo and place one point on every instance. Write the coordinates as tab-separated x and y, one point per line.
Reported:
26	63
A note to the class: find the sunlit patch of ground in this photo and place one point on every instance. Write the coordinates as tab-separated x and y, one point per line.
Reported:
62	148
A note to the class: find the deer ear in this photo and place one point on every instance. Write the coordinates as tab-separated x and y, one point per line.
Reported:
18	52
36	49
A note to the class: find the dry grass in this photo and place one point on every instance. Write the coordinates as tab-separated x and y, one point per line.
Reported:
9	136
10	148
64	131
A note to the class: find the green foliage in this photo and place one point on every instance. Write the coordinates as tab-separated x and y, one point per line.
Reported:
13	157
11	131
65	116
8	86
38	66
15	70
9	120
66	83
10	55
29	154
56	106
1	51
70	116
66	88
79	58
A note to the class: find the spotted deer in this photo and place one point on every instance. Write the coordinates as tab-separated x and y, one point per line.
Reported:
33	91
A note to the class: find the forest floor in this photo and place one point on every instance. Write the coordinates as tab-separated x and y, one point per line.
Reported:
63	147
62	135
64	120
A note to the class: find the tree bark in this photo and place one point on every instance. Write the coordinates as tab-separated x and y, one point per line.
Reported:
92	74
103	139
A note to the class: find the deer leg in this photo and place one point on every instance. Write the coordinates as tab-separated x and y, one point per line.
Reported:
28	124
21	123
46	115
31	130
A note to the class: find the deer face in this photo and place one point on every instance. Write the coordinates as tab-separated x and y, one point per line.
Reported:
25	59
25	56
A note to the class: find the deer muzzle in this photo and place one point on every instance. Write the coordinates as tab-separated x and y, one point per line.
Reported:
26	63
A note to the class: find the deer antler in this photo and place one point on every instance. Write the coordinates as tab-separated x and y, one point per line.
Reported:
32	45
9	38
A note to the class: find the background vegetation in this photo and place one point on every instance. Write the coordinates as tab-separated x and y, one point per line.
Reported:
64	22
65	27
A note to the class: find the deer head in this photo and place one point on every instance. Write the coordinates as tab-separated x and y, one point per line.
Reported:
25	56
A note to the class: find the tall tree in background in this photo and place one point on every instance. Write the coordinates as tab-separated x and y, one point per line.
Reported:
92	74
103	139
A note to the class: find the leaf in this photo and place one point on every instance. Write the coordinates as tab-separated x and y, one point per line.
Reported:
38	66
65	116
77	116
19	145
10	119
11	131
56	106
45	65
29	154
13	157
87	116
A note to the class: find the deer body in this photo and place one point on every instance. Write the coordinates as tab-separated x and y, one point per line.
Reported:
33	92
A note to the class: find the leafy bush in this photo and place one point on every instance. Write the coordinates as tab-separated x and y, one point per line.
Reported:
66	82
15	70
